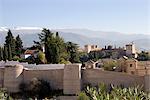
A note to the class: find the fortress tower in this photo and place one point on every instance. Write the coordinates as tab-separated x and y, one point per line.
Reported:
72	79
89	48
13	77
130	50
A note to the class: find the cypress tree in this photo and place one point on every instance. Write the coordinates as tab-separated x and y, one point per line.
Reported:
9	53
5	53
1	53
59	48
19	46
10	41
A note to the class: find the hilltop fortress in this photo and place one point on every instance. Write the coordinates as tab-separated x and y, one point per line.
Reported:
71	78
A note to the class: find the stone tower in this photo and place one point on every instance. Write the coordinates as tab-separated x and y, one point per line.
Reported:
13	77
87	48
72	79
130	50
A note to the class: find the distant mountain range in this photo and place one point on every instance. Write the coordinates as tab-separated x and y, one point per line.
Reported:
81	37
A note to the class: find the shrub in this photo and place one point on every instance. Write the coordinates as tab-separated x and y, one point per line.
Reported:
36	89
83	96
41	58
4	95
117	93
110	65
16	58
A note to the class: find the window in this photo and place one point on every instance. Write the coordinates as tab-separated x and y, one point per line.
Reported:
130	65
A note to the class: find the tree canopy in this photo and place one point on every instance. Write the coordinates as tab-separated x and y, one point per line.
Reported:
10	44
19	46
13	47
143	56
72	50
56	49
54	46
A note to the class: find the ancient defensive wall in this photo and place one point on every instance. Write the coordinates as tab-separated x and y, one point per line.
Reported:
71	78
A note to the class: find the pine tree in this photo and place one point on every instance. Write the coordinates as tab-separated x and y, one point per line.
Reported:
10	41
18	45
46	37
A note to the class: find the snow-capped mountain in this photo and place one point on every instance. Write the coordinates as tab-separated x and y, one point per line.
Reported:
3	29
80	36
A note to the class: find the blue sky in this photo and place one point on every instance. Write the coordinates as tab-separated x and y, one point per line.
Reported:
127	16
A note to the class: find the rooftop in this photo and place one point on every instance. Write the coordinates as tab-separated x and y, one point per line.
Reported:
44	66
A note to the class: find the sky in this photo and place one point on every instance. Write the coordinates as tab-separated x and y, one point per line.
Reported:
127	16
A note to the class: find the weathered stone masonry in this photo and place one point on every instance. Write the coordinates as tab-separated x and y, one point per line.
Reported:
71	78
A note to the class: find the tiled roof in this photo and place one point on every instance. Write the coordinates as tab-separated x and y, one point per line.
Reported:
30	51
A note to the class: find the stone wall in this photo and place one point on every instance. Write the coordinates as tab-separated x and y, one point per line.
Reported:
143	64
147	83
140	68
53	76
69	77
13	77
131	66
96	76
72	79
67	98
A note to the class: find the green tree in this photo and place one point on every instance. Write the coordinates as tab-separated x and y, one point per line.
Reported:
143	56
59	51
1	53
5	53
96	55
83	56
72	50
110	65
10	41
41	58
54	46
9	52
19	46
45	37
